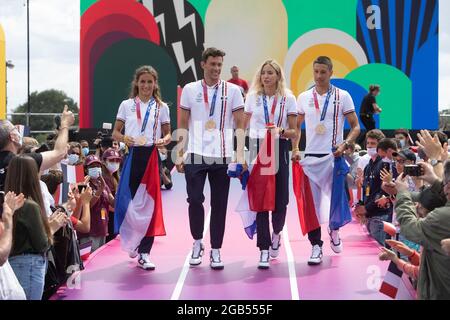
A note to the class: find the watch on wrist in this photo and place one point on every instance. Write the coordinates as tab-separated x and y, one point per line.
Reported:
435	162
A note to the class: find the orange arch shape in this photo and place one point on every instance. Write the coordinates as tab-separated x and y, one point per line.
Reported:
301	73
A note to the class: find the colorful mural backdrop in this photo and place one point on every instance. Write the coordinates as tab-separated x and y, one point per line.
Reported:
393	43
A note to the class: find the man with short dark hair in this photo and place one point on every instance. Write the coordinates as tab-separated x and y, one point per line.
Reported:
208	108
324	109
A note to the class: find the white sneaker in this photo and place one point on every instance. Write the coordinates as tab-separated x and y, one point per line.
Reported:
335	241
264	260
133	254
144	262
275	247
216	262
316	256
197	253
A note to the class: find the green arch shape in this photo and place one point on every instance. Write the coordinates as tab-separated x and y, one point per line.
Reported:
396	93
114	72
305	16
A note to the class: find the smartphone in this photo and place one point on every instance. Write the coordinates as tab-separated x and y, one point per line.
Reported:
2	199
81	187
413	170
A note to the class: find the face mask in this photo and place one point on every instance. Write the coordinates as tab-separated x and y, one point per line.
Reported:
402	143
73	158
372	152
386	160
95	173
162	156
85	151
112	166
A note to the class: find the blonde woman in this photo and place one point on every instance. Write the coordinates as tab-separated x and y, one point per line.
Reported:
270	105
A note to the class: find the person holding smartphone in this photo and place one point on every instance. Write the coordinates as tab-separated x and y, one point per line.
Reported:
102	198
371	213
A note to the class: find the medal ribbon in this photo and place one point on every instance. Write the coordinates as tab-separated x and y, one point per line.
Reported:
325	106
266	111
138	112
213	101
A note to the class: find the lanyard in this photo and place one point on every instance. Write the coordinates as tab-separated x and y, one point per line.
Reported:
147	114
266	111
205	98
325	106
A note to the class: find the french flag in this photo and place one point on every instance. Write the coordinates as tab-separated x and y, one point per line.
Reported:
138	211
391	281
85	250
319	188
305	201
313	180
259	194
71	174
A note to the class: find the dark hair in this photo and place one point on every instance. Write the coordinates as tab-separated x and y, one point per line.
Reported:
23	177
403	132
351	146
375	134
374	87
324	60
443	138
52	179
431	200
212	52
386	144
134	84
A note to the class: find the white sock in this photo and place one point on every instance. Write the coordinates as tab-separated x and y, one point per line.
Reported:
198	242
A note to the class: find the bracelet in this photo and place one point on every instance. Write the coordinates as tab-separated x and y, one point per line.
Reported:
295	149
412	255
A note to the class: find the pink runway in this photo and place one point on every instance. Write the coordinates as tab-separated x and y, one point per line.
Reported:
355	274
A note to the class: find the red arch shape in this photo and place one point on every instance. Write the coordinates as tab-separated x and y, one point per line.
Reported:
100	26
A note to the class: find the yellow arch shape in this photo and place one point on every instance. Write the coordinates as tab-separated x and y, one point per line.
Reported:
2	75
301	73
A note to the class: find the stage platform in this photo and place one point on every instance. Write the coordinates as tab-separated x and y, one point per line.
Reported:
355	274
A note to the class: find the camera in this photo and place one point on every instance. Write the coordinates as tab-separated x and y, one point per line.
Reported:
81	187
104	138
413	170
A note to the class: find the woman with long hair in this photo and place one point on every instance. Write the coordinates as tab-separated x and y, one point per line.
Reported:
32	235
138	211
270	106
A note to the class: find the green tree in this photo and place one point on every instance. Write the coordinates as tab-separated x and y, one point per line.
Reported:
48	101
444	119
